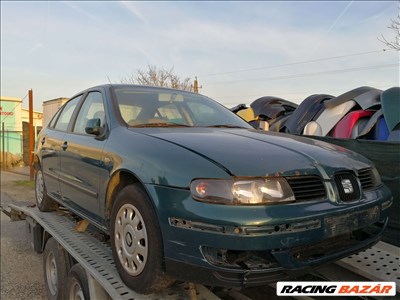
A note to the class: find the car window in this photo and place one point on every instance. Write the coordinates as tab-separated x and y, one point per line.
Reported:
54	119
151	106
203	114
66	114
92	108
170	113
129	112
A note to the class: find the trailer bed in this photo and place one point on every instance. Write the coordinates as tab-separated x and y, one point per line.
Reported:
96	258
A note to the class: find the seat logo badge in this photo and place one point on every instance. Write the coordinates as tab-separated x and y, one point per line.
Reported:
347	186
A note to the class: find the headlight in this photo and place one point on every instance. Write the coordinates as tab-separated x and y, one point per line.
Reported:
242	191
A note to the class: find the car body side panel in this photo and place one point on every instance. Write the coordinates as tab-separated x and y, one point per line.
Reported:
49	148
151	162
81	168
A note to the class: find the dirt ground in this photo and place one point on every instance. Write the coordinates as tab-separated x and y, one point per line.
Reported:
21	267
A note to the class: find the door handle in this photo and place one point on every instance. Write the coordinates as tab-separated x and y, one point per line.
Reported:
65	145
43	140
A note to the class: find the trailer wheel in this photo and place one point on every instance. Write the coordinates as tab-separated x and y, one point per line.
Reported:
43	201
77	287
55	269
136	241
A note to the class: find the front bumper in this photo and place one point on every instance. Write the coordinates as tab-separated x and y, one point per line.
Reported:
283	268
247	246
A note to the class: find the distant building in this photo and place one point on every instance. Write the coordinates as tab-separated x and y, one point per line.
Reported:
16	126
37	120
11	121
50	107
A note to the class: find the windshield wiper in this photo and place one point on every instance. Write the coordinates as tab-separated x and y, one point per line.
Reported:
161	124
226	126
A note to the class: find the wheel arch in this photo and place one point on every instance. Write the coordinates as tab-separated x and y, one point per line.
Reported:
118	181
36	161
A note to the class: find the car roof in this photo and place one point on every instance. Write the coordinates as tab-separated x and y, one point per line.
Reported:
122	85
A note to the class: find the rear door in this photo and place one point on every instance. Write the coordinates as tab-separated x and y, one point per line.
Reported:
50	146
82	158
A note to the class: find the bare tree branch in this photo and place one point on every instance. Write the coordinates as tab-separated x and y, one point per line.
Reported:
395	25
158	77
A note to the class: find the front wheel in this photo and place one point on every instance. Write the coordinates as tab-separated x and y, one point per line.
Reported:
136	241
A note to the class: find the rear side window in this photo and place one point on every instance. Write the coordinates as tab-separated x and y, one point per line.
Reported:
53	121
66	114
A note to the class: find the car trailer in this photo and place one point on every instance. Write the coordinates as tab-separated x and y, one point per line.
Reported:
85	261
50	229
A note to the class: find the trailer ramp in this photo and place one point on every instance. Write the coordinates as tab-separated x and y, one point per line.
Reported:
96	258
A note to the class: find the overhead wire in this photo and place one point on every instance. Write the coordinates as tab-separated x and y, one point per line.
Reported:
306	74
294	63
327	91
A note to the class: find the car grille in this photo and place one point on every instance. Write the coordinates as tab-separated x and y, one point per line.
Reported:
307	188
347	186
367	179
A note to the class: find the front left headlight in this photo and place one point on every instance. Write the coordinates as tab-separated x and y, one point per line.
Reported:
242	191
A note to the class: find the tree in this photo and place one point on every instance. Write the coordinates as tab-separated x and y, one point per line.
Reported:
395	25
159	77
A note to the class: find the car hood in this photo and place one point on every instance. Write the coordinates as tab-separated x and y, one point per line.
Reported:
246	152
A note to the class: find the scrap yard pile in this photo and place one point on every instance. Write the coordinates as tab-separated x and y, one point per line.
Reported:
362	113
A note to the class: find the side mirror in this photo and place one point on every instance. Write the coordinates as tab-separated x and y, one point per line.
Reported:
93	127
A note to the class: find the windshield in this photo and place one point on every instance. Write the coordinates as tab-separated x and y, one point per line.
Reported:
155	107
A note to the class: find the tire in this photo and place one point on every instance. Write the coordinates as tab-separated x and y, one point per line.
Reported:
136	242
77	285
43	201
55	269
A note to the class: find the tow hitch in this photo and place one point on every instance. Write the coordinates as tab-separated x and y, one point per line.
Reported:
13	214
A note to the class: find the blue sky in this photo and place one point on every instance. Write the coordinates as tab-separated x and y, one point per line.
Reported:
239	51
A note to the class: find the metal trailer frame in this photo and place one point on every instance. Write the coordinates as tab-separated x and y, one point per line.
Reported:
94	256
378	263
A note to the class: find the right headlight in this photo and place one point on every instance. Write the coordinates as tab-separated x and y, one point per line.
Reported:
249	191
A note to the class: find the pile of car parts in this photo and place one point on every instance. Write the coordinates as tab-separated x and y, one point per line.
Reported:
362	113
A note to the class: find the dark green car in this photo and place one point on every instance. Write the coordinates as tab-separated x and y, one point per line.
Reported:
186	189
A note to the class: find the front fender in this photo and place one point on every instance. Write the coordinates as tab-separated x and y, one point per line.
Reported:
155	161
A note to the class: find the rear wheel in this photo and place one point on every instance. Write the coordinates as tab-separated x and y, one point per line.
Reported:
136	241
43	201
77	287
55	269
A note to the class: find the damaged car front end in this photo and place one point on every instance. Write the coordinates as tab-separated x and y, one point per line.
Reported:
247	230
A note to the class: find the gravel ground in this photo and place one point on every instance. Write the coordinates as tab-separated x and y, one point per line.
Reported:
21	267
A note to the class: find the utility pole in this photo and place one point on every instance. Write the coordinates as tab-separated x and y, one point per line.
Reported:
4	147
31	136
196	85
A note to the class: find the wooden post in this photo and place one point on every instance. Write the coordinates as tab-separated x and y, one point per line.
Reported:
196	86
31	135
4	165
